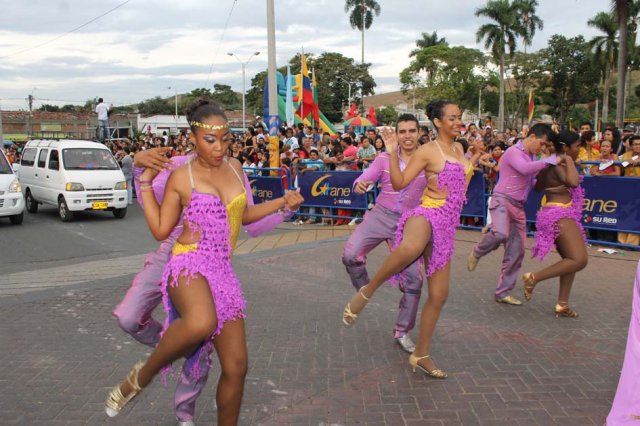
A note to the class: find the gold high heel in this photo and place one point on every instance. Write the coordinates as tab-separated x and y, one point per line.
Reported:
116	400
529	284
562	309
348	315
435	373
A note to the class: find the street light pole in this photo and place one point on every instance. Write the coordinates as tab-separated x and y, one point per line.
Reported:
244	65
175	117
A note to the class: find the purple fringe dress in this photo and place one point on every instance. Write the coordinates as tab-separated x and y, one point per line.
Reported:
443	220
212	260
547	230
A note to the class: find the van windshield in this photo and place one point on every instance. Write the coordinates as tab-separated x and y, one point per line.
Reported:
5	167
88	159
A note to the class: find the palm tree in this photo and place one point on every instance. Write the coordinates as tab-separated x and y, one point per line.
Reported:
500	36
530	21
623	10
427	40
605	48
361	16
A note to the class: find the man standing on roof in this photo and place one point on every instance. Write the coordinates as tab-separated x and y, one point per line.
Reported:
102	109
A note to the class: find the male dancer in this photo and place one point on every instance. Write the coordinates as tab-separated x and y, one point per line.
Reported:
380	225
134	312
508	221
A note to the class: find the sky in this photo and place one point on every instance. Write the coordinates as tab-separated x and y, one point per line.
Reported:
147	48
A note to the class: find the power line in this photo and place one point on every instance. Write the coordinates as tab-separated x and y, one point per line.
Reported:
215	55
65	34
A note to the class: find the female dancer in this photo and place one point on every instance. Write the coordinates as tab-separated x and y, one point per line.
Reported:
201	293
558	222
428	229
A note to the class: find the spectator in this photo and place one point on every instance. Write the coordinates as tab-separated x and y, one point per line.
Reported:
588	151
379	144
349	150
102	109
261	123
366	153
313	163
606	159
261	138
586	127
307	144
127	170
632	157
289	138
613	135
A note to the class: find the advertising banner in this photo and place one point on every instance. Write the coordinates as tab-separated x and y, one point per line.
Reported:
331	189
475	205
265	188
610	203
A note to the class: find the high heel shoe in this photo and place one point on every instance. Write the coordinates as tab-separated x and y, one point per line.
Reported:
435	373
562	309
529	284
348	314
116	400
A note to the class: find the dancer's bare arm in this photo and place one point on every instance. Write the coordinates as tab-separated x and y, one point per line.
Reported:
417	162
162	218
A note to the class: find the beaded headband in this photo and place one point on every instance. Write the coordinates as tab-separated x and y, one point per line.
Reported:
209	126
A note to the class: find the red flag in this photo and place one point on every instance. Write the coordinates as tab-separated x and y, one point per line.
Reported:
353	111
371	115
306	99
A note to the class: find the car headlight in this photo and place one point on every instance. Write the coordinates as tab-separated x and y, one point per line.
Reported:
15	186
74	186
121	185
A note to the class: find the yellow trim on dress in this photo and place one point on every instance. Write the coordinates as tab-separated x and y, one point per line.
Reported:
235	210
179	248
545	203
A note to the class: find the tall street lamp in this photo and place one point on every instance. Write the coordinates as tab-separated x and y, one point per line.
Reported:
244	65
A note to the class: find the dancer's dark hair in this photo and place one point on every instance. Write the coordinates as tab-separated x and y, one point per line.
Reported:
435	109
202	108
565	138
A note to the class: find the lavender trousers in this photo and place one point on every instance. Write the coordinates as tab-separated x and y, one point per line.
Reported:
379	225
508	227
134	317
626	404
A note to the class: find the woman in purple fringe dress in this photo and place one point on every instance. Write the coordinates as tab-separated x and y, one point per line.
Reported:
559	223
428	230
202	295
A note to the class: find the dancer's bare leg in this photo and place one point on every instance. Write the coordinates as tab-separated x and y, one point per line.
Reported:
415	236
197	321
573	251
231	346
437	296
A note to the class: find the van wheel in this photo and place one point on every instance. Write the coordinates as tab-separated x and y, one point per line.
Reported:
32	205
120	213
63	210
17	219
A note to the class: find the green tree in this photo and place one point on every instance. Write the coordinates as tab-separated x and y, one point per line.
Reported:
68	108
155	106
224	95
527	73
500	38
530	21
605	48
386	115
571	78
361	16
456	74
49	108
427	40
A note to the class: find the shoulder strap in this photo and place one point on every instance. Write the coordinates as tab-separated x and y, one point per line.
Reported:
238	176
440	149
193	185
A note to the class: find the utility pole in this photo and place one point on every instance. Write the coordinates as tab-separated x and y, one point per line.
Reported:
273	121
1	133
30	100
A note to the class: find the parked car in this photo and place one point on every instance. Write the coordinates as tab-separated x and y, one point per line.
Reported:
11	197
73	175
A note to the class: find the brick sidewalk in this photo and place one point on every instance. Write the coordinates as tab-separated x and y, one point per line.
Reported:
507	365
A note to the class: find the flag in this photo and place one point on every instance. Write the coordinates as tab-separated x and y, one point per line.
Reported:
316	109
531	107
289	100
305	96
371	115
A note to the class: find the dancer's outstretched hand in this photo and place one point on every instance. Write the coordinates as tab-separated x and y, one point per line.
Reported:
293	200
390	139
361	187
154	158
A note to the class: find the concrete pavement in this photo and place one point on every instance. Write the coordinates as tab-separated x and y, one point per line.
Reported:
62	349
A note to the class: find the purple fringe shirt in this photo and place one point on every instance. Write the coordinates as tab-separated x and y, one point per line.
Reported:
547	229
443	220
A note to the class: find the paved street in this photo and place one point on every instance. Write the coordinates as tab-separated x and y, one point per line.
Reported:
62	350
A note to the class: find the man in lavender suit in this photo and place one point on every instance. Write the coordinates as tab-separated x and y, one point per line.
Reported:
518	171
134	312
380	225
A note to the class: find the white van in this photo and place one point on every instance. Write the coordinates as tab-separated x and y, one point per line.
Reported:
11	198
74	175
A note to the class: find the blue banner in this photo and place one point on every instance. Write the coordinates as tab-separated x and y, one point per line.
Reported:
610	203
475	205
331	189
266	188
